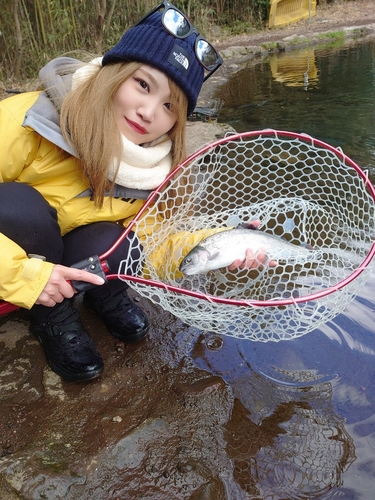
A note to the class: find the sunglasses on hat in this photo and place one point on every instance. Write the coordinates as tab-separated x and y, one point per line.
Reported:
178	25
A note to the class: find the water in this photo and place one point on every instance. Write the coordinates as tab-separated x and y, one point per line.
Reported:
310	401
326	93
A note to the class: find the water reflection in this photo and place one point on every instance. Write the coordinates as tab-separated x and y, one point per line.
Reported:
298	450
297	71
337	106
284	441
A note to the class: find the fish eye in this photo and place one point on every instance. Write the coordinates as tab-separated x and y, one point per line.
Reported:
188	259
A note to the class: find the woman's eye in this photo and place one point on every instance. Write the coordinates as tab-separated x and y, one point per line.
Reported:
168	105
143	84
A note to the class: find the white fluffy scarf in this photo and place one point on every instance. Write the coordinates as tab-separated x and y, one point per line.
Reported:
141	167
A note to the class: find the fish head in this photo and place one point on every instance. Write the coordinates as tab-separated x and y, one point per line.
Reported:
195	261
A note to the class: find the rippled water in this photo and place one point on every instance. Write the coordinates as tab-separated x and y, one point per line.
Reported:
311	401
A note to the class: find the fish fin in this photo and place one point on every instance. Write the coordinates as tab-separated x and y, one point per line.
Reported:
248	225
213	255
307	246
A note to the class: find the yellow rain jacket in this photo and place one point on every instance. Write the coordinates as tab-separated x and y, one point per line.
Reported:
33	151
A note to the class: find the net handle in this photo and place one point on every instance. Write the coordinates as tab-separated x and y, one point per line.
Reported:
6	307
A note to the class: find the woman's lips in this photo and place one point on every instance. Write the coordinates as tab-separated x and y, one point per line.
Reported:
136	127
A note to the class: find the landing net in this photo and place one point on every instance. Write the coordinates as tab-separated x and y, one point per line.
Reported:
302	190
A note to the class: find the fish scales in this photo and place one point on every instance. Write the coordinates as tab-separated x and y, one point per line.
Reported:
223	248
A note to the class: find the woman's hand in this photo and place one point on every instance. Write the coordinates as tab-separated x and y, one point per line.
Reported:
58	288
252	261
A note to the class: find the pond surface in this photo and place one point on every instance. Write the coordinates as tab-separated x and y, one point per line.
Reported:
316	440
326	93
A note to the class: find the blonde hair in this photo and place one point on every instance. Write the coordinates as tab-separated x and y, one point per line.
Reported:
88	122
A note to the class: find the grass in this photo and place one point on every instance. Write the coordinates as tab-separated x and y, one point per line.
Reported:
334	35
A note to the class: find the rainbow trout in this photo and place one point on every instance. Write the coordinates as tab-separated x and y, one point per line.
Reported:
221	249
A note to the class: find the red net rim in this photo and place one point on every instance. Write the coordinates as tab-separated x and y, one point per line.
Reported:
254	303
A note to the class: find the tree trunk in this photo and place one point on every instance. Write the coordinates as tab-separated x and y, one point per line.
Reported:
18	58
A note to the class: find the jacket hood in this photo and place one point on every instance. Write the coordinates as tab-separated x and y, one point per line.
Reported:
44	115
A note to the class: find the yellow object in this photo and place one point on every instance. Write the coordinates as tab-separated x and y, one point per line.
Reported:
284	12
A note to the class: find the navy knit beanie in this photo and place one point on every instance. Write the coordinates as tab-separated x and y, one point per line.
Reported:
150	43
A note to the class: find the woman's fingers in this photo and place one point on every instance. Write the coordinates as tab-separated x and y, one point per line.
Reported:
71	273
252	261
59	288
235	265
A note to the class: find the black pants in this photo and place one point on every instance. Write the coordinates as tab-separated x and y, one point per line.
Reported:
28	220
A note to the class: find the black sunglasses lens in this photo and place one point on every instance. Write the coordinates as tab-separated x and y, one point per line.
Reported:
206	54
176	23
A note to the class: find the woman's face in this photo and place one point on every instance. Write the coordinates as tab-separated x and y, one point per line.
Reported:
142	106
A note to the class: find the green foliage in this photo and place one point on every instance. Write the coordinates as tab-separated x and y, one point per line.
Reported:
262	7
34	31
335	35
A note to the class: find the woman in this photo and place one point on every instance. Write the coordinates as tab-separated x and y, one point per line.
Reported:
77	162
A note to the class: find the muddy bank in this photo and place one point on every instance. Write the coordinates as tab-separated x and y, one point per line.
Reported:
150	427
156	426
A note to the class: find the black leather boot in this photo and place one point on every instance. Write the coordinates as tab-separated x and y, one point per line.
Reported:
70	351
124	319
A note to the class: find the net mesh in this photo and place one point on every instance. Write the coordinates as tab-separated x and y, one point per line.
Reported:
299	189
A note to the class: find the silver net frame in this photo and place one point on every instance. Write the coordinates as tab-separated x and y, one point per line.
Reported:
301	189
